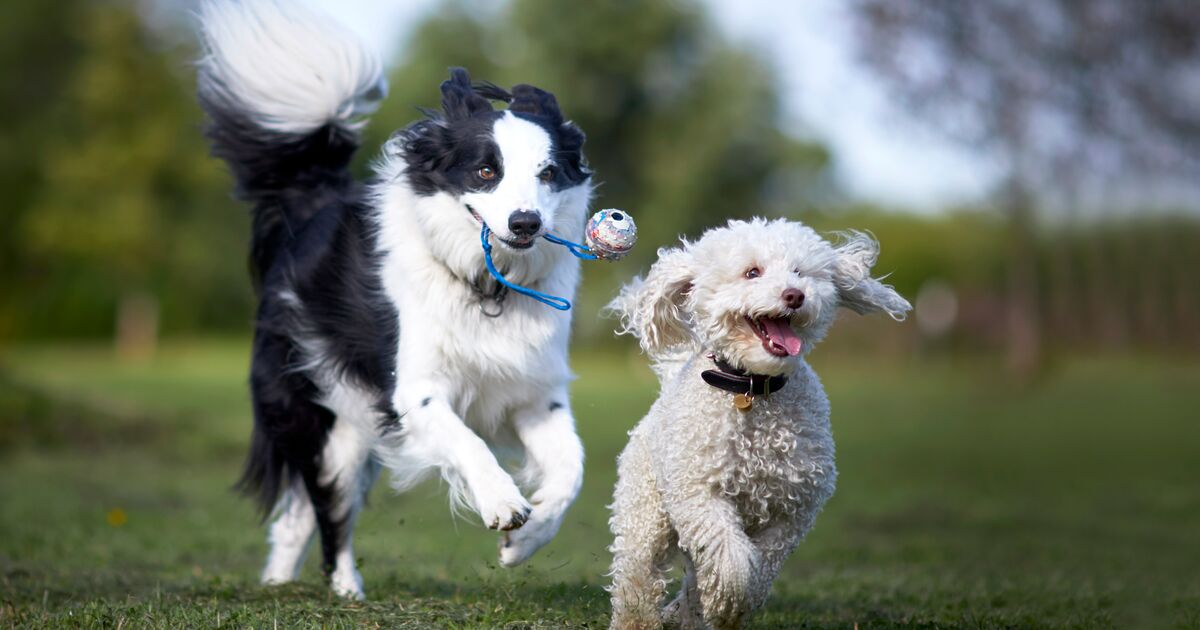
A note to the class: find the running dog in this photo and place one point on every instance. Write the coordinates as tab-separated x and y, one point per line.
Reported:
736	458
380	339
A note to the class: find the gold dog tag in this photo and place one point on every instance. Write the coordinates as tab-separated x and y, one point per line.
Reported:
743	402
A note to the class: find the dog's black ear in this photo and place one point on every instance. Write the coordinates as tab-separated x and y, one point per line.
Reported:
459	99
537	102
491	91
570	151
428	150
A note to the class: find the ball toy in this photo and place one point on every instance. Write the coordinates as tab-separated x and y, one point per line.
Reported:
610	234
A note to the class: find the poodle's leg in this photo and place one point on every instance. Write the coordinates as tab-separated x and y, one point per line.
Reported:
642	542
725	558
431	435
684	612
774	544
553	467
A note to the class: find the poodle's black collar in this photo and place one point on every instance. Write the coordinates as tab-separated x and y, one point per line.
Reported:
737	381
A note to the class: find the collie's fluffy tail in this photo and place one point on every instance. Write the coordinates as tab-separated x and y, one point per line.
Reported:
283	86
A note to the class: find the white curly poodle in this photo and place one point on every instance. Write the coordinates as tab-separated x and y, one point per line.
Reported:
735	458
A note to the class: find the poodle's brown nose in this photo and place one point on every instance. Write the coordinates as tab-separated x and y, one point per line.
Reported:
794	298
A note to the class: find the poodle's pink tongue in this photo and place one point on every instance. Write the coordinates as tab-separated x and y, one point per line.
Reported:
779	333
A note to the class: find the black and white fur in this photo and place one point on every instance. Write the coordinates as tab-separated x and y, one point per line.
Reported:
371	348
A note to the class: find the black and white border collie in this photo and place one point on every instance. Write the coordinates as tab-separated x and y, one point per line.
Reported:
380	339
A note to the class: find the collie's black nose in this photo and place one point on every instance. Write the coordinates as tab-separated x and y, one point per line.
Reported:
524	224
794	298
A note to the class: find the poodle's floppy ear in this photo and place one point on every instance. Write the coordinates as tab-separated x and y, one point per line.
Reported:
655	309
857	290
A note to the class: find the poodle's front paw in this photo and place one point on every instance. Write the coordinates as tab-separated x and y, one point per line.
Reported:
726	581
503	507
517	546
681	614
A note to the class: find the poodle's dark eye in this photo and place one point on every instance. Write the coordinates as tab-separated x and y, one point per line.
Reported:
486	173
752	273
797	271
547	174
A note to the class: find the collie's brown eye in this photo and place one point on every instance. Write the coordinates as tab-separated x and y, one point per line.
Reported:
753	273
487	172
547	174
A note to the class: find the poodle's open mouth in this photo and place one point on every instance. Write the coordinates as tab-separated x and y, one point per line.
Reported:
776	335
513	243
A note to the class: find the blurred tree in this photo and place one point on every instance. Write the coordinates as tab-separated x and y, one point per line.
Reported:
126	213
28	31
114	200
1075	98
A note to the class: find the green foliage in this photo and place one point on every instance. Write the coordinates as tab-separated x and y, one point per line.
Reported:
961	503
122	197
110	192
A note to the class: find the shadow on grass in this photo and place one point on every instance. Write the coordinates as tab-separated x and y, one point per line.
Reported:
37	599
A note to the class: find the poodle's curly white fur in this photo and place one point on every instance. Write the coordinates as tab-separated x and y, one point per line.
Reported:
734	491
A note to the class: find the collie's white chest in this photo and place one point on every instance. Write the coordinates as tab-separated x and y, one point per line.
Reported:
486	367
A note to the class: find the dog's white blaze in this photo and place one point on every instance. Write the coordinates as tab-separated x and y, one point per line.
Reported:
292	67
525	150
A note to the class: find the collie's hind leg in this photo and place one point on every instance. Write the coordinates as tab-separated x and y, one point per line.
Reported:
289	536
343	481
289	432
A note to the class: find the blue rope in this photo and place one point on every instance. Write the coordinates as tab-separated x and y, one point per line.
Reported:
553	301
580	251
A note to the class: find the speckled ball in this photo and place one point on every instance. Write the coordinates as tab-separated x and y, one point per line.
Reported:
611	233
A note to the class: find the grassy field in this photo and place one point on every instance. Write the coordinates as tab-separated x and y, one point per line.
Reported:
963	502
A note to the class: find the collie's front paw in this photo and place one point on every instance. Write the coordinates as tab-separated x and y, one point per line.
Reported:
517	546
504	509
509	517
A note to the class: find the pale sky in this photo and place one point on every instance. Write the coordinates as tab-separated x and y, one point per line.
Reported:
881	154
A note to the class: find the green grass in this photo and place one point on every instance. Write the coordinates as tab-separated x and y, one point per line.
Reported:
962	502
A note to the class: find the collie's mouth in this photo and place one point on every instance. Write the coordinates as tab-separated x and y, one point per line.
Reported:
513	243
777	336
